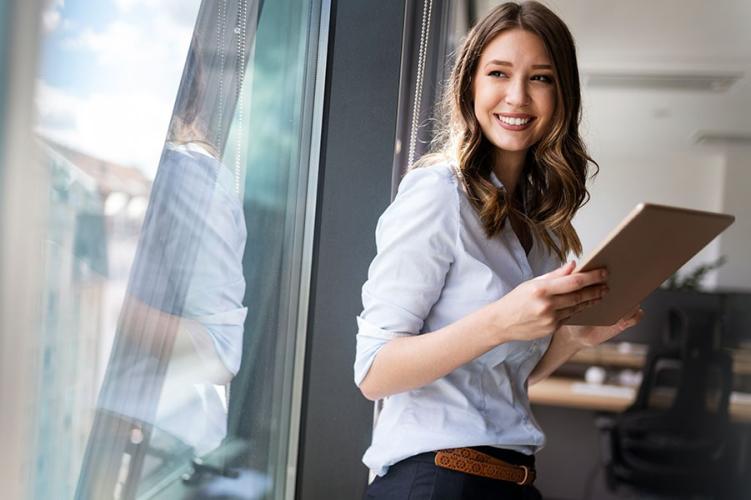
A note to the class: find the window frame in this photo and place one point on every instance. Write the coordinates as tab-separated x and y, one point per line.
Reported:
357	151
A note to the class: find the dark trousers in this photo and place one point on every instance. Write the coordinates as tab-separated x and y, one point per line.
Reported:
418	478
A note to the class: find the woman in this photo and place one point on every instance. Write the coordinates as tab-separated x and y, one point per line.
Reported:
464	303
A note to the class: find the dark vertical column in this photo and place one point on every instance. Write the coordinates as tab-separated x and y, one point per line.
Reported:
433	44
355	182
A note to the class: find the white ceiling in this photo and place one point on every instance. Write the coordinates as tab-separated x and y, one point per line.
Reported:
638	36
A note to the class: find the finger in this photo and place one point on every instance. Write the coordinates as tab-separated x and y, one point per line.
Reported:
636	310
567	312
576	281
630	320
574	298
636	317
631	314
565	269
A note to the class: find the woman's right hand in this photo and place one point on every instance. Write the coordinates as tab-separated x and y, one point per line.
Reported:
538	307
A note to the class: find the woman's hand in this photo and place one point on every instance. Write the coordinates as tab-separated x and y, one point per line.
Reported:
537	307
590	336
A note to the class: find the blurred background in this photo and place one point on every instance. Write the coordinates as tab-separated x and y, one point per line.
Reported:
189	193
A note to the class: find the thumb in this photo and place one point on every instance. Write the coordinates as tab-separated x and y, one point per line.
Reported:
565	269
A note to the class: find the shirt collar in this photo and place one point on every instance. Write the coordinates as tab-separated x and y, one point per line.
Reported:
497	183
495	180
189	146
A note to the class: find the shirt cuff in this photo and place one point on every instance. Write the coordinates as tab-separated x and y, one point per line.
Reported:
370	340
225	330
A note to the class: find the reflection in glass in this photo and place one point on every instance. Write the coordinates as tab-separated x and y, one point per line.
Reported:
180	333
174	309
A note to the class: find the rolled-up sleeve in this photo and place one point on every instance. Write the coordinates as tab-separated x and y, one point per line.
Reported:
217	287
416	239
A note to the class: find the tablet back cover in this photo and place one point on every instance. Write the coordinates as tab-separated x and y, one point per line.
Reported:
644	250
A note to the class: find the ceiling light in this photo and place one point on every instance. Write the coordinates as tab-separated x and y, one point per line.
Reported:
714	137
669	80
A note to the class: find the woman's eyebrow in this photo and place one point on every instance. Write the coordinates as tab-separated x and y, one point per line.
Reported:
506	63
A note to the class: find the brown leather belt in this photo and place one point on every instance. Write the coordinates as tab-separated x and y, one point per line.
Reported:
479	464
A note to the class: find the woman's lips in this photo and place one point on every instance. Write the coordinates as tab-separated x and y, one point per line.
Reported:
514	127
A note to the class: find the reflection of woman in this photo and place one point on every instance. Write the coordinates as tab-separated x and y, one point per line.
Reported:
196	210
180	332
465	300
204	212
186	290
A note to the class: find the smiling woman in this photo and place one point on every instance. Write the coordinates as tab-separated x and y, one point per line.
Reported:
465	301
665	111
519	68
515	96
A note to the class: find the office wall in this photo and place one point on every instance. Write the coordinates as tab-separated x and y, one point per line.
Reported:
736	241
689	180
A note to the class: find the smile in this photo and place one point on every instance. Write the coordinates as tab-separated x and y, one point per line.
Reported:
514	123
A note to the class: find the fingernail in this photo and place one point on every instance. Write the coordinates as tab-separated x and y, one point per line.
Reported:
604	273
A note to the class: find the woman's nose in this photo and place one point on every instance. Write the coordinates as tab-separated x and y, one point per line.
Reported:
516	92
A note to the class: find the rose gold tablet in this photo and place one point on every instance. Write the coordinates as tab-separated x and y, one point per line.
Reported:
644	250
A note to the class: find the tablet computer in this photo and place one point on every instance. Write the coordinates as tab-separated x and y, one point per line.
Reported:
644	250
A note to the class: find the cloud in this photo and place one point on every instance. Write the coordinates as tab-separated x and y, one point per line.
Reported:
134	65
155	44
178	10
146	49
129	5
127	128
108	45
52	15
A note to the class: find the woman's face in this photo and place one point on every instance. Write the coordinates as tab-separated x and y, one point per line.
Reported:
514	90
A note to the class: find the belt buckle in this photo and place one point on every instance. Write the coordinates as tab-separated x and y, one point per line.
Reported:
526	475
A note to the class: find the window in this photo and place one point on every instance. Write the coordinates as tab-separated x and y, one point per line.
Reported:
172	287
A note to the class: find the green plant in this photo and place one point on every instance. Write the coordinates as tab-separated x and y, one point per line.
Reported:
692	281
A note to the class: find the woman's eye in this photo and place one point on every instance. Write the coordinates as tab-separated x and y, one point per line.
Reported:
543	78
496	74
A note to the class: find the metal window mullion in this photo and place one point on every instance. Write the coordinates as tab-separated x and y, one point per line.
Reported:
317	64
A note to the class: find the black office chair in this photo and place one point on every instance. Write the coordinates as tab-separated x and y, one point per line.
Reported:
673	440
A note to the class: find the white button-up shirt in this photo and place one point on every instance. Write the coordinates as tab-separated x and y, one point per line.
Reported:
434	266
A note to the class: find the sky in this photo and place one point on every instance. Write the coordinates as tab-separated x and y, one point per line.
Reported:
108	75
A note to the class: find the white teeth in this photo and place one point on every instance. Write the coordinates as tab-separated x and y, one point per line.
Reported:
514	121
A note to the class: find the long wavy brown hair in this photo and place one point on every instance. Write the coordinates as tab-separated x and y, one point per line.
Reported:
187	125
553	182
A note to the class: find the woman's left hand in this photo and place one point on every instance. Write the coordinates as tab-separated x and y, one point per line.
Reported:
590	336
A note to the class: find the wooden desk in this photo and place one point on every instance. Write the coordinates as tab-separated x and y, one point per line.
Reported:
634	356
571	393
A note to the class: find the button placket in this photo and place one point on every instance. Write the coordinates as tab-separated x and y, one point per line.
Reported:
520	258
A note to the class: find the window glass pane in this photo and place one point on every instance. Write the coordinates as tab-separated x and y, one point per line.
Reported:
108	76
175	138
